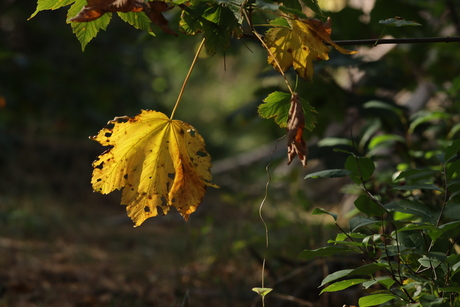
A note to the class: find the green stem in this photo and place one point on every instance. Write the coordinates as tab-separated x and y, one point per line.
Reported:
186	78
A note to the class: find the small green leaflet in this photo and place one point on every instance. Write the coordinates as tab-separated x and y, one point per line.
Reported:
50	5
138	20
86	31
321	211
277	105
262	291
398	22
344	284
375	299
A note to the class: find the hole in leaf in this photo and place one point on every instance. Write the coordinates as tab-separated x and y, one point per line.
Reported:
125	176
192	132
201	154
146	209
171	175
160	210
108	134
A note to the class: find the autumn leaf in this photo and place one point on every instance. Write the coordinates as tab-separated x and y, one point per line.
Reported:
97	8
157	162
295	114
299	45
296	122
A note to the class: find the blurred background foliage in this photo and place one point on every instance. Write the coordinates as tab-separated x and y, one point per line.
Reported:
62	245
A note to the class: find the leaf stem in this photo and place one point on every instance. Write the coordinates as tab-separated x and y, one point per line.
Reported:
184	84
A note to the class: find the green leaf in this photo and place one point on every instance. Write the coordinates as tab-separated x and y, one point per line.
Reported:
334	142
369	269
426	116
320	211
334	276
416	208
360	221
375	299
344	284
359	167
385	138
221	27
217	22
86	31
398	22
50	5
262	291
324	252
385	281
449	289
375	104
364	204
452	150
331	173
138	20
277	105
280	22
236	6
432	259
415	173
453	168
421	186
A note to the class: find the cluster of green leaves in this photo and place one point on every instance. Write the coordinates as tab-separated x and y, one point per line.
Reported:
406	222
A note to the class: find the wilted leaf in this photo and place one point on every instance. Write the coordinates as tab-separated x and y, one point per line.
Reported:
157	162
296	122
299	45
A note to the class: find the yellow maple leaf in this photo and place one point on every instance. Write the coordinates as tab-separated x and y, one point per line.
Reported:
158	162
300	44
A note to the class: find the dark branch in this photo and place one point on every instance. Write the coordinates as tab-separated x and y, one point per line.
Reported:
376	41
422	40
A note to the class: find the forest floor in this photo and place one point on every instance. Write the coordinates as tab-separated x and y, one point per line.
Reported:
63	245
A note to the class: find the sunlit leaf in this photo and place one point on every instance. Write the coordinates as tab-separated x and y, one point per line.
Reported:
262	291
50	5
375	299
344	284
157	162
299	45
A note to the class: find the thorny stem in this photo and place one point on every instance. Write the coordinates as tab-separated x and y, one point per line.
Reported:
187	77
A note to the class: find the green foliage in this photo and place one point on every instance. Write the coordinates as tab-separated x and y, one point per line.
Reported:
408	242
277	105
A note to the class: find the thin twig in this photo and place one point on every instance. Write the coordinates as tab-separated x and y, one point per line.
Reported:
376	41
186	78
